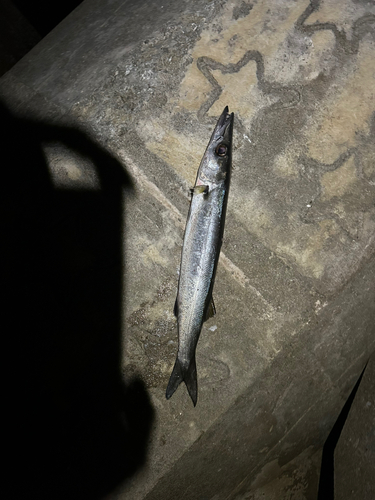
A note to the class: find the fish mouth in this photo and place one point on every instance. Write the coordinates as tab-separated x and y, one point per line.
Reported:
224	123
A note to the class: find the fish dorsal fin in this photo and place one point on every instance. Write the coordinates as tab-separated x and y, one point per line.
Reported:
175	309
211	310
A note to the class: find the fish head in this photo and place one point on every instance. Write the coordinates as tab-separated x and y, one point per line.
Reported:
216	162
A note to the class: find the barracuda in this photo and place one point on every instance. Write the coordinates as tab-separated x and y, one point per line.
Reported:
200	252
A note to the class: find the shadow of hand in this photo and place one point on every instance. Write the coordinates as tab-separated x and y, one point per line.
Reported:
75	429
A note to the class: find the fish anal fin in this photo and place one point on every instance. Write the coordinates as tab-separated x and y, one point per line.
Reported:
211	310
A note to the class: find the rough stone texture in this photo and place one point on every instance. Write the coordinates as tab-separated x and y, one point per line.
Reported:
355	451
295	285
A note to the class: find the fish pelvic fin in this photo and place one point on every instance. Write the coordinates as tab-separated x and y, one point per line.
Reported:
211	310
185	374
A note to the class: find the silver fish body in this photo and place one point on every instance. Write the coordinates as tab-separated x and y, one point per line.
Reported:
200	252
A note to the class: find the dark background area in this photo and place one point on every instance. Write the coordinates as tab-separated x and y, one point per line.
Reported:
44	15
74	427
23	23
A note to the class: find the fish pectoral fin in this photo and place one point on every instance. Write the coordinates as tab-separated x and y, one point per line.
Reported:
199	190
211	310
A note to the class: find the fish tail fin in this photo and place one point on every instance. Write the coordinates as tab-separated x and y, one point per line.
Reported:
186	374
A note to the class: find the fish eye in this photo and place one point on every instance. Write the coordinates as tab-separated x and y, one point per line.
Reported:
221	150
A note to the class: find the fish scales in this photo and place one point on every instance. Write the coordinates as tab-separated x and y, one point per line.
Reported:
197	266
200	252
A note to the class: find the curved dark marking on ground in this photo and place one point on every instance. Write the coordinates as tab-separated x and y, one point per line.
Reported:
312	28
317	168
218	371
366	141
361	27
314	169
289	96
206	65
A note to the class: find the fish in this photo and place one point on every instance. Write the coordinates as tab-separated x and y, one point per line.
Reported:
200	252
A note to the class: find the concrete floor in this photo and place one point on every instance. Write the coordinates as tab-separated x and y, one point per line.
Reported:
126	95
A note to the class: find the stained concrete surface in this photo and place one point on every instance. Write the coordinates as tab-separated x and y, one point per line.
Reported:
295	283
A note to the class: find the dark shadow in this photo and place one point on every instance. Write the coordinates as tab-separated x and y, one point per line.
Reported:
327	470
74	429
44	15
